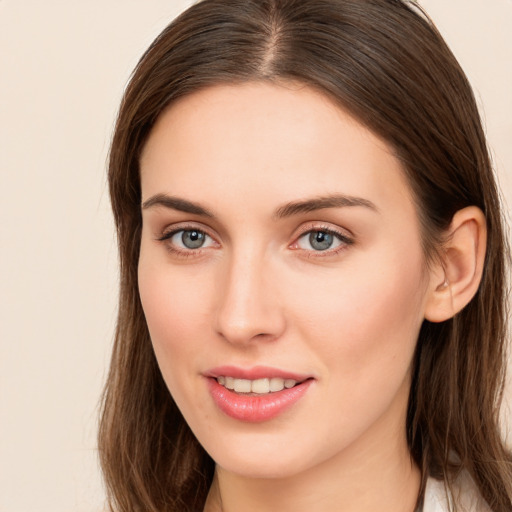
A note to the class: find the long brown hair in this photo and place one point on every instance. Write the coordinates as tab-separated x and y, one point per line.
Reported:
385	63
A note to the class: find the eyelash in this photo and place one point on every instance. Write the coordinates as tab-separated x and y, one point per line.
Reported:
184	253
341	237
187	253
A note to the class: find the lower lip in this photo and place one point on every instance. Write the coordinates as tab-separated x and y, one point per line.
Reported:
255	408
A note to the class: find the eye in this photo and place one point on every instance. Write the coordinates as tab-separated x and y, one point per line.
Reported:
188	239
319	240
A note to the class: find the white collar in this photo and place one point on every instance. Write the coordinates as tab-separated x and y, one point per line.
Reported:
466	496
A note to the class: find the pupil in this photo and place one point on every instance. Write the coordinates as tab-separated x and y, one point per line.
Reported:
192	239
320	240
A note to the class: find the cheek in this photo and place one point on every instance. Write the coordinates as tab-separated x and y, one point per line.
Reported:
361	327
365	319
175	306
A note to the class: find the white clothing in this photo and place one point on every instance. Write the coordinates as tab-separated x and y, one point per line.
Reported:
466	496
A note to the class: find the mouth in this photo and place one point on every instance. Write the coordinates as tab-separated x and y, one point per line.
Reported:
256	387
256	395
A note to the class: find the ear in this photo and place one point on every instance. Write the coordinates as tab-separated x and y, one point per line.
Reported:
454	281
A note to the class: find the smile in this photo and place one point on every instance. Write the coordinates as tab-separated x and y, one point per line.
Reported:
256	395
257	386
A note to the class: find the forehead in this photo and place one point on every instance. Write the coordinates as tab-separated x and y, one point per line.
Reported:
267	142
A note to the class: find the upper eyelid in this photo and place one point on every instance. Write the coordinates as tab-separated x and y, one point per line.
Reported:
345	240
168	234
324	226
325	230
172	229
307	227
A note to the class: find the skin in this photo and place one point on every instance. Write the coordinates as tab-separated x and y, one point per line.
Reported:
257	293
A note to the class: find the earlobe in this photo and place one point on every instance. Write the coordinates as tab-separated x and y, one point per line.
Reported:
455	280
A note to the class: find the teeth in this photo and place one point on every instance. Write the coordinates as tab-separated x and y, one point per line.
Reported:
242	386
289	383
258	386
276	384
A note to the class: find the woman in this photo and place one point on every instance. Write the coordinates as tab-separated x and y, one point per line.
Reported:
312	307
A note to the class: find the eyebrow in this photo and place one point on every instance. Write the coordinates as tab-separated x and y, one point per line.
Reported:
287	210
320	203
176	203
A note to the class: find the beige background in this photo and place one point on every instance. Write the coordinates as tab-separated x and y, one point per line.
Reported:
63	66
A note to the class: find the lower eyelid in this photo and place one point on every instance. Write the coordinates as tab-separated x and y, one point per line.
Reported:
177	249
166	236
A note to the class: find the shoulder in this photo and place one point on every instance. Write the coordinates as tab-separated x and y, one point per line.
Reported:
465	496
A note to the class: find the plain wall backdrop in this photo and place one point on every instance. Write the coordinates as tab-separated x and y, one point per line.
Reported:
63	68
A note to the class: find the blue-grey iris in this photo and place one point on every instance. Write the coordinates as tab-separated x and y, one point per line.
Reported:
320	240
192	239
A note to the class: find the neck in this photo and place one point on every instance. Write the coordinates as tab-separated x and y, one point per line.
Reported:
375	473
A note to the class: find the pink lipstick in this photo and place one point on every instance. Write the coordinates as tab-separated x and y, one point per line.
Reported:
257	394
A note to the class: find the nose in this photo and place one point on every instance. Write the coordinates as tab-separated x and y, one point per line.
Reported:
249	301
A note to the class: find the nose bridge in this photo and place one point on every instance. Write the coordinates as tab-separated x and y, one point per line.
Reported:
248	305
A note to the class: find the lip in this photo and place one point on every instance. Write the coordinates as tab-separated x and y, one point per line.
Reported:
255	408
256	372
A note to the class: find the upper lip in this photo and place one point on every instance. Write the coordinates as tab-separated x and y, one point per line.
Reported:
256	372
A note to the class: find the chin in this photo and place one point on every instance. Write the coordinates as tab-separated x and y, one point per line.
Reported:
263	457
270	468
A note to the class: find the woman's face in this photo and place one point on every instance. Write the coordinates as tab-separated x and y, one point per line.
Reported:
280	256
